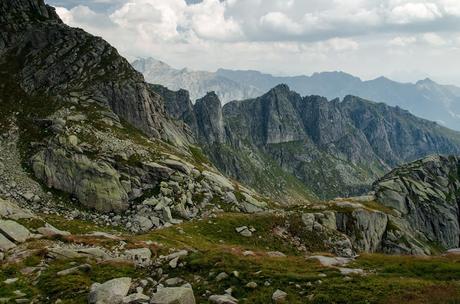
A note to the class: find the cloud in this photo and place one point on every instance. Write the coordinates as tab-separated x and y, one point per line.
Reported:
402	41
414	12
279	22
434	39
366	37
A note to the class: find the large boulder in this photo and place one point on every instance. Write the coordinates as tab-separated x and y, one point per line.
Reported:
111	292
14	231
95	183
364	227
10	210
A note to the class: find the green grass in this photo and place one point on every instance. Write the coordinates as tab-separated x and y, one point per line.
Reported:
74	288
220	232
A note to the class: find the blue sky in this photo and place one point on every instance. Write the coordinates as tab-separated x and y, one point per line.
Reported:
402	39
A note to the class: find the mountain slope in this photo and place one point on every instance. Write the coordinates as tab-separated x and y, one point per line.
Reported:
84	131
197	83
333	147
425	98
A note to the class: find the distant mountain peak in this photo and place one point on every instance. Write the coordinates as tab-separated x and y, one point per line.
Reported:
426	81
281	89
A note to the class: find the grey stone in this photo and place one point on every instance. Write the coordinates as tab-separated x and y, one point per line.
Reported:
76	269
14	231
279	296
140	255
110	292
5	244
223	299
221	276
173	295
136	298
50	231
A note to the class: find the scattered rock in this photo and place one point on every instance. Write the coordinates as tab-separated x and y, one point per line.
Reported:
221	276
140	255
251	285
331	261
244	231
173	295
80	268
10	281
50	231
223	299
348	271
174	281
279	296
173	262
276	254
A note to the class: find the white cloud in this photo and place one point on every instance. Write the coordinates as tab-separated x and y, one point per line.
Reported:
434	39
402	41
366	37
280	23
208	21
414	12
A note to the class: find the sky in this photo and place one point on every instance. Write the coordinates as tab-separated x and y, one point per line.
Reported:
406	40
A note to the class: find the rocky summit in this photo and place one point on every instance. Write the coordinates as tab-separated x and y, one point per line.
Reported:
114	190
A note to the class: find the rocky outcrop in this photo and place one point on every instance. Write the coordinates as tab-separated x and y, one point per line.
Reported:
96	184
334	148
364	227
425	193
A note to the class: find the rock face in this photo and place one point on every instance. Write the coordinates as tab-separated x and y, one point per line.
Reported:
425	98
425	193
334	148
365	228
59	60
97	185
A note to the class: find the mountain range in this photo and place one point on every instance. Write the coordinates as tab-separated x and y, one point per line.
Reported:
333	148
115	190
426	98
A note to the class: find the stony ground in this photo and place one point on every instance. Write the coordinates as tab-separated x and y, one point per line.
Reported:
227	258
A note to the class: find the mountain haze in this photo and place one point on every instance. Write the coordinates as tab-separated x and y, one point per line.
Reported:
197	83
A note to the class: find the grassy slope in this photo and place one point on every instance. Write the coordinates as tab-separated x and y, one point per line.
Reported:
214	247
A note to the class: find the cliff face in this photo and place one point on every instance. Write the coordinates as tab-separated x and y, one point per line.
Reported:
426	194
335	148
53	59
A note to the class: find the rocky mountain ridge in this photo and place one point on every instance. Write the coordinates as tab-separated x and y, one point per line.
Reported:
335	148
425	98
